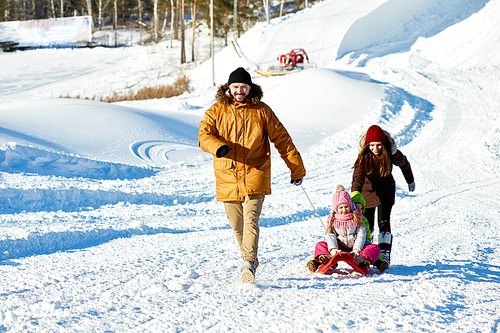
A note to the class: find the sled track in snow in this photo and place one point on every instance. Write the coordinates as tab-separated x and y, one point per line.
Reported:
163	153
457	120
394	107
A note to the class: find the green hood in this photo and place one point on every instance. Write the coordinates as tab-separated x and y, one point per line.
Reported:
357	197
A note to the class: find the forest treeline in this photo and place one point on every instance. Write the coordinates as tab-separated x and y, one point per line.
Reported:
229	15
235	16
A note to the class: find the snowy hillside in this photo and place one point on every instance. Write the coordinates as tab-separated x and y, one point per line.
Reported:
108	213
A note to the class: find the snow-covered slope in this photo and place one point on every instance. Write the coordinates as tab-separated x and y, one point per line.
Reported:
95	129
396	25
108	213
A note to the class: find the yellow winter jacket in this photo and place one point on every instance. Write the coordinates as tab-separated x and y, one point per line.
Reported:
246	128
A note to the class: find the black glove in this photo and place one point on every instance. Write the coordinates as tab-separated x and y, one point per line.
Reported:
222	151
411	187
296	182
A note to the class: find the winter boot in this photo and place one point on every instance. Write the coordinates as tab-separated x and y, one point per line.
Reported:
313	265
362	262
381	264
385	244
248	271
323	259
255	263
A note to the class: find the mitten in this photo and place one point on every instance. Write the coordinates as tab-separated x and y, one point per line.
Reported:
296	182
411	187
222	151
334	251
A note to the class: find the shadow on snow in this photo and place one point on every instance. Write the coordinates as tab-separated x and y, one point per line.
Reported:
68	200
52	242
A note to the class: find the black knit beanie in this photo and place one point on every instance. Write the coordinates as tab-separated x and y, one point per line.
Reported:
240	75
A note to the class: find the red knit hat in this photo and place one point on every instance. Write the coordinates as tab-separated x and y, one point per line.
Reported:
375	134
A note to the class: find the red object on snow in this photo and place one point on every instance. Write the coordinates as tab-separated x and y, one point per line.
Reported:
346	257
294	57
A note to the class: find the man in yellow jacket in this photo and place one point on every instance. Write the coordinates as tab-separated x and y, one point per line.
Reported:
236	130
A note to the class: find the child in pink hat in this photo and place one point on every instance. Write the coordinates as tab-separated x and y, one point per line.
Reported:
345	232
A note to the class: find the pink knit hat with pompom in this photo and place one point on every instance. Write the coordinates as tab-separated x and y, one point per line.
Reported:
341	197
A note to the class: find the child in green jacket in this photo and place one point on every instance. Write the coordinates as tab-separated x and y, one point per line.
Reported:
359	201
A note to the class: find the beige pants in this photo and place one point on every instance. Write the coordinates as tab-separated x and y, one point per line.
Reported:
244	219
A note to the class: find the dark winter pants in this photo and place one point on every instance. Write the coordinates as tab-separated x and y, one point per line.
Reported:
384	217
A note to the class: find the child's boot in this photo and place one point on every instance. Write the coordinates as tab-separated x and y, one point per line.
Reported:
313	265
323	259
361	262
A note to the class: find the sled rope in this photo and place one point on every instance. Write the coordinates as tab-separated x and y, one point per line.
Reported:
324	226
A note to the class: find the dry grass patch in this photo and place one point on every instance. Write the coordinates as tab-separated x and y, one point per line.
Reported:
177	88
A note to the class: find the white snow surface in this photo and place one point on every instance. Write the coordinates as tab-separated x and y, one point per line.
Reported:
109	221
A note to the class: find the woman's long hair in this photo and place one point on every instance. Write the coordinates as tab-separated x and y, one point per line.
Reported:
368	162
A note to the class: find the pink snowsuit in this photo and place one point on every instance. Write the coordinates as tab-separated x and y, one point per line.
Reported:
370	252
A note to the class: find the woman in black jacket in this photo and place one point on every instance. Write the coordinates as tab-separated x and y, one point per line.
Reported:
373	178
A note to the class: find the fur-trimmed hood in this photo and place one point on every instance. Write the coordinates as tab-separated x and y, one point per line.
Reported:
223	95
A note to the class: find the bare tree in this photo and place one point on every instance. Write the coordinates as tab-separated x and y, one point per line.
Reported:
194	30
164	22
99	14
139	5
115	19
53	8
155	19
176	21
235	17
183	48
172	17
89	12
266	9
